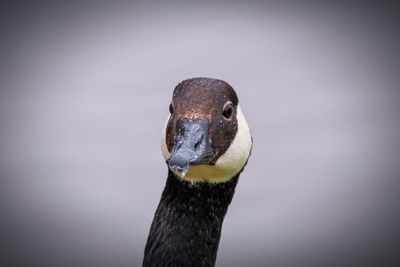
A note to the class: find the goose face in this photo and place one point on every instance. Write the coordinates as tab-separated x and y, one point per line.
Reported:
206	136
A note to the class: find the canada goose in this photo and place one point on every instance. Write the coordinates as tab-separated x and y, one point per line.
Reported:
206	144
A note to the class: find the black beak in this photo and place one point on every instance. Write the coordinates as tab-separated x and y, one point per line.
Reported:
191	145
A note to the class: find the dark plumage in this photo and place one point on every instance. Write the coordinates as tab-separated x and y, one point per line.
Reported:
187	225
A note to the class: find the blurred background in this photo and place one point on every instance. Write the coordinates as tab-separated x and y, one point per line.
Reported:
84	94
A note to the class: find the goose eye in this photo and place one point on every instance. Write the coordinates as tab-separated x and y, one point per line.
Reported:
227	111
171	109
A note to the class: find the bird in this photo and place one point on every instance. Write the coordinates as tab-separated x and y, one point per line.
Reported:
206	144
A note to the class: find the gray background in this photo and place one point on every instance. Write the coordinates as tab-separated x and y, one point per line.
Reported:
85	90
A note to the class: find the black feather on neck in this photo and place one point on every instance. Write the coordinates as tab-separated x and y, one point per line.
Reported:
187	224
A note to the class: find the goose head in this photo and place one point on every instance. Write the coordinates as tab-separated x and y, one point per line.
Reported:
206	137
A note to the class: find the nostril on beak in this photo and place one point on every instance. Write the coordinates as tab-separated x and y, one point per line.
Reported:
196	145
198	142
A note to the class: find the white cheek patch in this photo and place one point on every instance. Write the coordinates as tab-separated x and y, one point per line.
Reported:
229	164
164	148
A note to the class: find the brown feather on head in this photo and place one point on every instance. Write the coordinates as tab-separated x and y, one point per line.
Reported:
203	108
